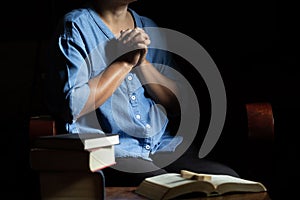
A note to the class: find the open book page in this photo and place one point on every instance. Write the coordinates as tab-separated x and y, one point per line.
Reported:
167	186
169	180
172	180
221	179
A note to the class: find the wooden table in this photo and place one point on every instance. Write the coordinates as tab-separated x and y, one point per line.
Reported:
127	193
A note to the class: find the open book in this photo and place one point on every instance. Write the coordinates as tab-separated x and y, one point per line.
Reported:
171	185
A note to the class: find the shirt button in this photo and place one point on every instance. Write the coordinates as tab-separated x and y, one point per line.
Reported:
148	126
129	78
133	97
138	116
147	147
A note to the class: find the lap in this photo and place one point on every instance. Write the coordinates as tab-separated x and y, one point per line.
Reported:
191	161
200	165
132	171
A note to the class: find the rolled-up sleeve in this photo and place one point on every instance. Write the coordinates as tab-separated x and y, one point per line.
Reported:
75	72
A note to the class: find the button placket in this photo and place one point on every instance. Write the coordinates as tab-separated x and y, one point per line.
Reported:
133	99
130	83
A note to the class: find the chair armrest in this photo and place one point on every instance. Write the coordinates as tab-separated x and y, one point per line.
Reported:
41	126
260	122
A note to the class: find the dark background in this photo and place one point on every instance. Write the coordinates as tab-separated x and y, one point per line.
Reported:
253	43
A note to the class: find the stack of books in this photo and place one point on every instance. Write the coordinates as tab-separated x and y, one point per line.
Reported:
69	165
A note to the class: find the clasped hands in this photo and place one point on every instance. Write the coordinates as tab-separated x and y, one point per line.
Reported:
131	47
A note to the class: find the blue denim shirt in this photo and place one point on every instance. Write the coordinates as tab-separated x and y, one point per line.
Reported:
80	55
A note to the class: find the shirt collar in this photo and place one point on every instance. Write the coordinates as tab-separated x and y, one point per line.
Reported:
106	31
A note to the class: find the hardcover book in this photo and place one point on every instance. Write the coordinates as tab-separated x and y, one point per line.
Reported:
79	141
70	160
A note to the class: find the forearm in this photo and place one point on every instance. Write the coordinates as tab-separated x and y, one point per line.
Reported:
103	85
162	89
